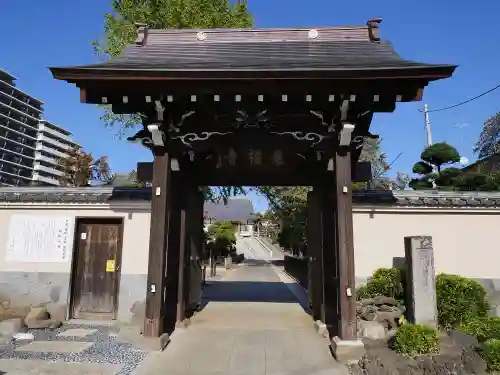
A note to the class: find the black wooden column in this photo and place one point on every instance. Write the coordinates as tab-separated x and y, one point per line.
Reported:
315	252
158	245
196	243
183	275
326	197
347	329
174	275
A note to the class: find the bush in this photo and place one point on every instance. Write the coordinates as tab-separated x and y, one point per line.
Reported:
459	300
482	328
491	354
416	339
384	282
362	292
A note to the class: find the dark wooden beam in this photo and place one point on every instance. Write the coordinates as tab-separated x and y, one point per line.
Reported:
83	96
158	245
207	176
387	90
345	247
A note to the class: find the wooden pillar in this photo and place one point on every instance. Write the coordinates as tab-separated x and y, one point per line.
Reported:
315	252
158	245
175	247
326	196
195	252
347	329
183	258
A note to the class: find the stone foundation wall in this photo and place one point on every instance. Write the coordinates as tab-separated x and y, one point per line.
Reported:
19	290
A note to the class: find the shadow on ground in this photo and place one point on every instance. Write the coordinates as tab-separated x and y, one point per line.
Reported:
259	287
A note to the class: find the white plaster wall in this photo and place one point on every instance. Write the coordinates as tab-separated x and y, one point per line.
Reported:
465	240
135	237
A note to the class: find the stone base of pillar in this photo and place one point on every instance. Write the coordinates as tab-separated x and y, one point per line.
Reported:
183	324
321	329
347	351
132	335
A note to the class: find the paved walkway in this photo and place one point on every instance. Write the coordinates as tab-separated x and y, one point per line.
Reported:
251	324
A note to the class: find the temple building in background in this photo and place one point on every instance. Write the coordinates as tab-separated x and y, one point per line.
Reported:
29	145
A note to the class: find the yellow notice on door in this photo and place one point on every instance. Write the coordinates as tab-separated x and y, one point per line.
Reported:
110	265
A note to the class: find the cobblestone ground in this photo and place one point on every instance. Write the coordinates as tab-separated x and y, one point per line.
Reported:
73	349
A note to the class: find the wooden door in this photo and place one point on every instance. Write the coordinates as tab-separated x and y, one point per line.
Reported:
97	268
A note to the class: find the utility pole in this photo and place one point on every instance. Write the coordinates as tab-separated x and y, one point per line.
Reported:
428	131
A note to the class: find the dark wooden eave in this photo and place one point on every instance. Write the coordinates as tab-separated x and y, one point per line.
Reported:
336	53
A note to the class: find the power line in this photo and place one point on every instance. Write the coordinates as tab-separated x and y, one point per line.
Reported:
464	102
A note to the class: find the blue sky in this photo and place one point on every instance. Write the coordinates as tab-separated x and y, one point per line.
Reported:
39	34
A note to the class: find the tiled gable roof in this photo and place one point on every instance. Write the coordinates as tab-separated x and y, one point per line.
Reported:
355	48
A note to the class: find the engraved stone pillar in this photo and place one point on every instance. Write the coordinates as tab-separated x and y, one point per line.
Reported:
420	281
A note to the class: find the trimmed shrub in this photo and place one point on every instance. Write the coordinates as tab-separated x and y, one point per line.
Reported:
459	300
362	292
482	328
491	354
416	339
384	282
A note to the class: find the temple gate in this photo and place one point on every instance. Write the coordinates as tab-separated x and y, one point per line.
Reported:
253	107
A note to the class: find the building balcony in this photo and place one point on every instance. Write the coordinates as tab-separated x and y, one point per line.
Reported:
46	159
49	170
20	123
16	164
22	94
30	145
49	150
50	141
20	102
20	113
12	129
46	129
13	175
44	179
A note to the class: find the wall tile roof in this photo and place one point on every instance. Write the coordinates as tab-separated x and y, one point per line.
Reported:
120	195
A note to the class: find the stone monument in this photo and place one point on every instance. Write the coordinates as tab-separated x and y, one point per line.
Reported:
420	281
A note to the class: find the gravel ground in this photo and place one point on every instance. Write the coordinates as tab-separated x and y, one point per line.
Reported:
105	349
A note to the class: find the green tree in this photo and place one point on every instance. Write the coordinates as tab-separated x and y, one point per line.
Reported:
489	140
221	237
401	181
440	154
80	168
433	158
372	152
288	214
120	30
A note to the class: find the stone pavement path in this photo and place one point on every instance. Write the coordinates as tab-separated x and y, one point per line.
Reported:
74	349
251	324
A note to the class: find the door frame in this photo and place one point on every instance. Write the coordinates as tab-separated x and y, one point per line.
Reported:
75	255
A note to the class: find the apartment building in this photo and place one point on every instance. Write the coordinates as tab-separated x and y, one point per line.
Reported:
29	145
20	114
52	144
